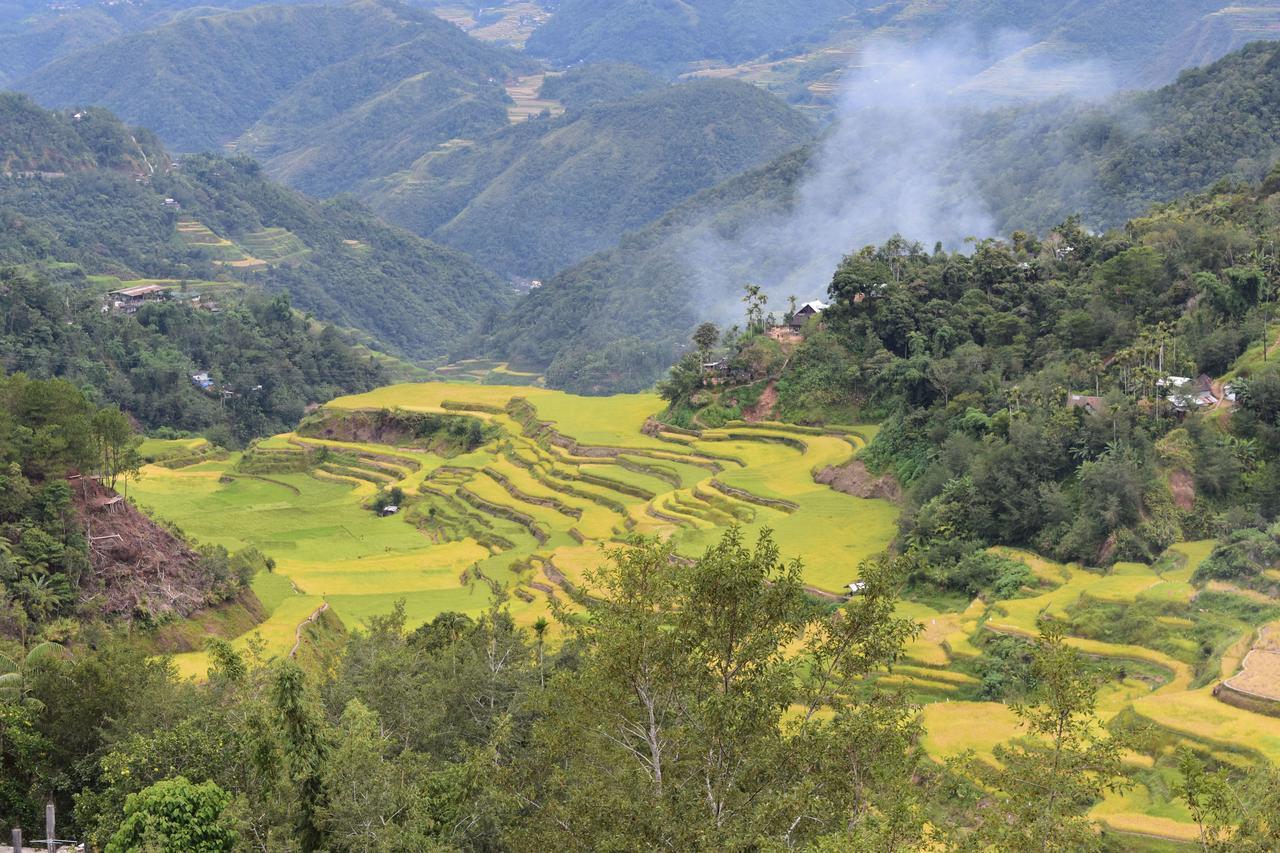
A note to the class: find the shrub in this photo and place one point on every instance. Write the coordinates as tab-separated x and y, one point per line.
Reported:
175	814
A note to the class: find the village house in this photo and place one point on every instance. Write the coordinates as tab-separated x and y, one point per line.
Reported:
130	299
806	312
1185	393
1091	405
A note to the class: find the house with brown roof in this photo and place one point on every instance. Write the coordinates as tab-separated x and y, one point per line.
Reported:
807	312
130	299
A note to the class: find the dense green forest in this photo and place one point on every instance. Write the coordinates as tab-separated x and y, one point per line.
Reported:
1035	166
334	258
546	193
974	361
270	362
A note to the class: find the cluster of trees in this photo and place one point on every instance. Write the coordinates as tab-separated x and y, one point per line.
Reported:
672	710
270	361
49	430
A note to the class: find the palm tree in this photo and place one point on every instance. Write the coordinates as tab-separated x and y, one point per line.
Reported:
15	674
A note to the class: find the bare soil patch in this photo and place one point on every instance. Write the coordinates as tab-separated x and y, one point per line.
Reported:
853	478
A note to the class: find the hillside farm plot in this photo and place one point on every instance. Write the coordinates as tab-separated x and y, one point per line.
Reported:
524	92
555	481
198	236
274	245
529	513
1136	622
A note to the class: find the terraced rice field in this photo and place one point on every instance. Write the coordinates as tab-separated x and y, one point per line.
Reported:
527	514
274	245
197	235
1161	691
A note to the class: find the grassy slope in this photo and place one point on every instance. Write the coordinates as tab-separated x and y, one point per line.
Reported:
329	548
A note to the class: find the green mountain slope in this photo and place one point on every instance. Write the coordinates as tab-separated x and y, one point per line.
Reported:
1143	42
599	83
1110	161
546	193
615	321
33	33
221	220
285	72
1033	167
668	33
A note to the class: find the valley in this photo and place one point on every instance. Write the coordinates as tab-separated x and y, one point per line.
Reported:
617	425
528	511
525	515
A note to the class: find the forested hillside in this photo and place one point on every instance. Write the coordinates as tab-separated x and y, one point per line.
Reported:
217	220
666	35
36	32
202	81
1025	384
543	194
1108	162
265	363
1033	167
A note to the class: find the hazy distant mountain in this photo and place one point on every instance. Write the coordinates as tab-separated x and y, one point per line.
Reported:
36	32
595	326
544	194
371	73
666	34
1144	42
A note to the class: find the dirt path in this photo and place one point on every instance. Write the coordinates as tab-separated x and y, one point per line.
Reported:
297	641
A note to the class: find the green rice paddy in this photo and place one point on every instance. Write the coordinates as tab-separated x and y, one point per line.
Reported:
526	513
529	514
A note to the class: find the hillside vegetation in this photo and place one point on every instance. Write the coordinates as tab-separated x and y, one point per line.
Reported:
269	73
226	222
1034	166
545	193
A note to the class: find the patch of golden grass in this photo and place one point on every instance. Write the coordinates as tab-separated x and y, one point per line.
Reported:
952	728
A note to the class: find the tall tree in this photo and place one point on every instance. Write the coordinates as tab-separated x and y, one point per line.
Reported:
1066	761
677	729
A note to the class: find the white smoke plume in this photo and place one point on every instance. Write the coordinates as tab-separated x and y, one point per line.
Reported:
887	165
